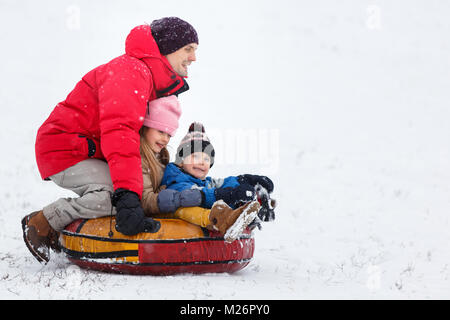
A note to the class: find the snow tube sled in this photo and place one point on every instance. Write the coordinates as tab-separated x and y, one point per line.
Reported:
178	247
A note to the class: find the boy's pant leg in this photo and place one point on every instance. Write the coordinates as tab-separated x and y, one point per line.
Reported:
91	180
194	215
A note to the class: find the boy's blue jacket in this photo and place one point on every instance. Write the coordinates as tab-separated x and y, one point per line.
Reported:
177	179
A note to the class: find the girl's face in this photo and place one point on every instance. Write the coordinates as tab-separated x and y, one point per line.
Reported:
157	139
197	164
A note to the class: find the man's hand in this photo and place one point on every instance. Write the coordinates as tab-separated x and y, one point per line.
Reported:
130	217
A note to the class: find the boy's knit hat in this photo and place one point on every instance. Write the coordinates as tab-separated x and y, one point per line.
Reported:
195	140
172	33
163	114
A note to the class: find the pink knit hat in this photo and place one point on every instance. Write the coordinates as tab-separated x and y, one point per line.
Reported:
163	114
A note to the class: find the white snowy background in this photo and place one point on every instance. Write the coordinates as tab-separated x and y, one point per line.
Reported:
345	104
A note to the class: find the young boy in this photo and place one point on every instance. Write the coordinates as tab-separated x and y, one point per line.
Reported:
194	158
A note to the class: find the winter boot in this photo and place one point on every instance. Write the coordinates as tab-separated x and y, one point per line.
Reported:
39	236
231	223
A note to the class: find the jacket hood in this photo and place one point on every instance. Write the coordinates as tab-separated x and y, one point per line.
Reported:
141	44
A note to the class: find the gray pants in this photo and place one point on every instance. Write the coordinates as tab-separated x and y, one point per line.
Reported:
91	180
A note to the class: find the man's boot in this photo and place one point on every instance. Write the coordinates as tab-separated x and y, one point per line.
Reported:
231	223
39	236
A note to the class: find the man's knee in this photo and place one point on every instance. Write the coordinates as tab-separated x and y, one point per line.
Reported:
98	198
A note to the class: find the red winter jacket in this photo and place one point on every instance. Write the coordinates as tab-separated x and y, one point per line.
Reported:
108	106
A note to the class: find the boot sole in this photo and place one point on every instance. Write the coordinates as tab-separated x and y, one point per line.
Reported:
246	217
35	253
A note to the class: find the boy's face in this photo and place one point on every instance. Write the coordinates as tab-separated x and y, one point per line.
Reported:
197	164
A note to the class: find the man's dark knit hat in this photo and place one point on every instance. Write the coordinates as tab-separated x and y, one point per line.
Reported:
172	33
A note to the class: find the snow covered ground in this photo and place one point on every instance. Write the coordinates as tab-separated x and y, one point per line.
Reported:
345	104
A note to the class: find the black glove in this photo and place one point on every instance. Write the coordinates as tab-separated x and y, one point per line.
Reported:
234	196
130	217
253	180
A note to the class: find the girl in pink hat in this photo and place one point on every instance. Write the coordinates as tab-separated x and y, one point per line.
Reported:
160	124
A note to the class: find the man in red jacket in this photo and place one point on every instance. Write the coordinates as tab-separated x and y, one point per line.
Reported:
90	142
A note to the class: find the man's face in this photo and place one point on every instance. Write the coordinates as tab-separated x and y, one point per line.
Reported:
182	58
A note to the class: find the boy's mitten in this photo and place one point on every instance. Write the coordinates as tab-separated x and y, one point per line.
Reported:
130	217
253	180
170	200
235	196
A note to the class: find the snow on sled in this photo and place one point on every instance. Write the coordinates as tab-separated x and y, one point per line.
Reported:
178	247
